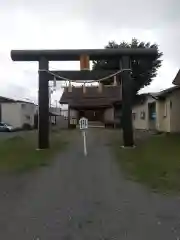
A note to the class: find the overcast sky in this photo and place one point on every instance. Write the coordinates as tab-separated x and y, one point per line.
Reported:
76	24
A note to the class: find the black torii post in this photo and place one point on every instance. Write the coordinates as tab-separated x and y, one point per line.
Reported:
127	103
43	104
44	56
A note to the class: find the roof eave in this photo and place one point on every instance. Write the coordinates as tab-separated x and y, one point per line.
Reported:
176	80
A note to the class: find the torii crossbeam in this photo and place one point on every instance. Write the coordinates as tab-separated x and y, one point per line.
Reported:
44	56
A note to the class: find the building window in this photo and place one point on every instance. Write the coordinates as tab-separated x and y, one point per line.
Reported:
165	110
152	111
170	104
142	115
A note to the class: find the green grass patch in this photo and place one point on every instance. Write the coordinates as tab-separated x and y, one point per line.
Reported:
19	154
155	162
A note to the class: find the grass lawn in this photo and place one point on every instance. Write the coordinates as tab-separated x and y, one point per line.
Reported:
19	154
155	161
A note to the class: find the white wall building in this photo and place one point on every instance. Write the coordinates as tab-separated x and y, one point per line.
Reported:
17	113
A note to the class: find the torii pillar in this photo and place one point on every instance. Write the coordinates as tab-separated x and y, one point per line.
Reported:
127	86
43	99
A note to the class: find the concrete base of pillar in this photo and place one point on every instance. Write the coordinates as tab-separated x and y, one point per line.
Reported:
39	149
129	147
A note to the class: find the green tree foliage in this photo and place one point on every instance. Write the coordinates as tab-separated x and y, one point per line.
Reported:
143	69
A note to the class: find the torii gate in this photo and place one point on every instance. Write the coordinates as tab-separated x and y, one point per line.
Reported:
44	56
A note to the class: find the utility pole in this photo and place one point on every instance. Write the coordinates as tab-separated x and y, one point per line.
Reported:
50	93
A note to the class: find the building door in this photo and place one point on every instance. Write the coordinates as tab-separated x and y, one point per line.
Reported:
152	115
91	115
99	115
81	114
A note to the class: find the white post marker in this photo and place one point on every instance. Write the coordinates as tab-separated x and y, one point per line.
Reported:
83	123
85	145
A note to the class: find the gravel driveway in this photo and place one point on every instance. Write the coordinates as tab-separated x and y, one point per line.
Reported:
84	198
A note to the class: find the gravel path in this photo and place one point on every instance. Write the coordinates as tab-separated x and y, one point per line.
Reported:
80	198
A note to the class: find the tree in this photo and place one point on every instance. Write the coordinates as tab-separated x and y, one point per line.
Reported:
143	69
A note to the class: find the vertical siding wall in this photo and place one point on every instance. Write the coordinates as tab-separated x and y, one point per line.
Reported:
159	116
11	114
17	114
170	122
174	111
163	120
109	114
167	114
138	122
27	113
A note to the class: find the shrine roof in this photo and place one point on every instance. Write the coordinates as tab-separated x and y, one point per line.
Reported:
92	96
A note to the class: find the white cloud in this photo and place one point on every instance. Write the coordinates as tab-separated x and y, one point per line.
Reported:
166	75
74	24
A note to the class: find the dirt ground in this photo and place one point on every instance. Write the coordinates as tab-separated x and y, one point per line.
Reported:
84	198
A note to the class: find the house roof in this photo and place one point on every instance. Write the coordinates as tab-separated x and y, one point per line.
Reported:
92	97
5	99
140	98
23	101
176	80
167	91
11	100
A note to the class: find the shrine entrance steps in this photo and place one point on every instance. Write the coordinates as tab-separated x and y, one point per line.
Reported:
96	124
